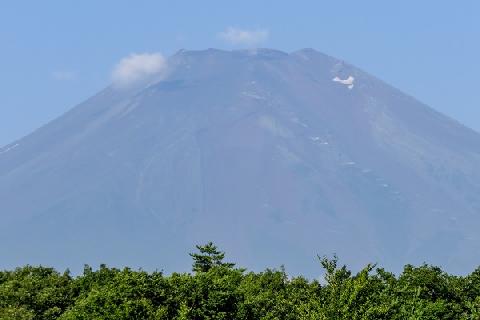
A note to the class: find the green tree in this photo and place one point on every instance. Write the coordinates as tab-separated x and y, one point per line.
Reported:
208	257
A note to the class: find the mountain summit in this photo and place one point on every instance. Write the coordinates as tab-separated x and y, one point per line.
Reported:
276	156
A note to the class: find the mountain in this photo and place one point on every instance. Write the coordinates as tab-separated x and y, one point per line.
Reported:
277	157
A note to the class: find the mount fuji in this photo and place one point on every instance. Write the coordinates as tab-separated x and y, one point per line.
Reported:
274	156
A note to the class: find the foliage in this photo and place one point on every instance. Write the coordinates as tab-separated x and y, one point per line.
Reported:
218	290
208	257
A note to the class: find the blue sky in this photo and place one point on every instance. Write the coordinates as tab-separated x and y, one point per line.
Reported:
54	54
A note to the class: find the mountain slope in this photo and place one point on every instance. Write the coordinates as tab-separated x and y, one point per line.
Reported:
276	156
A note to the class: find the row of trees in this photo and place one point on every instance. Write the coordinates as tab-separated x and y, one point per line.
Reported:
218	290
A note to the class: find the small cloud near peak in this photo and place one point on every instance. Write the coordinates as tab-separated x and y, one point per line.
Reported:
242	37
137	68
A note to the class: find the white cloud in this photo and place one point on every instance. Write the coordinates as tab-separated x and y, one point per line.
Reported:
138	67
62	75
241	37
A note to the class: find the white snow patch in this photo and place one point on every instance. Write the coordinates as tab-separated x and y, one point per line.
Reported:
318	139
9	148
297	121
348	82
253	95
349	163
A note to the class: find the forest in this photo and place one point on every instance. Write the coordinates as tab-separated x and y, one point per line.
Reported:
216	289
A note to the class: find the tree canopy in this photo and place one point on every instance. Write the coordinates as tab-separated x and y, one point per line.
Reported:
219	290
